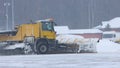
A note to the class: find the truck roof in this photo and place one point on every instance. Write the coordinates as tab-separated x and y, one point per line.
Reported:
46	20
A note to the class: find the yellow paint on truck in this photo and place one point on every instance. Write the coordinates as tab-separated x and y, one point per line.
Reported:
26	30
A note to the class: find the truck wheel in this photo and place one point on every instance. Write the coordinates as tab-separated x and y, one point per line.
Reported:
42	48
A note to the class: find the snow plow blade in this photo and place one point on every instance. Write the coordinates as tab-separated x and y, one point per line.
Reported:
77	44
11	49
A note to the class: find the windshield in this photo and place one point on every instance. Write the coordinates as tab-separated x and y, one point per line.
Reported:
108	35
48	26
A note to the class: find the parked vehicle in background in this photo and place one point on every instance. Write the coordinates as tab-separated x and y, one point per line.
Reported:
112	36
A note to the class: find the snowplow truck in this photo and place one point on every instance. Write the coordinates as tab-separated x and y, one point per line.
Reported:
40	37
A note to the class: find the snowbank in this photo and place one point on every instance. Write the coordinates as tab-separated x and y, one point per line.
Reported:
107	46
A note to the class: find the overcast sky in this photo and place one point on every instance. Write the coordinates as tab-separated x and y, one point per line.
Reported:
76	14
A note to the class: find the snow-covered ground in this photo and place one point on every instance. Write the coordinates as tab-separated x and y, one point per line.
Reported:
108	56
94	60
107	46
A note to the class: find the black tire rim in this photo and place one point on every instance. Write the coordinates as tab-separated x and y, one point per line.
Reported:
43	48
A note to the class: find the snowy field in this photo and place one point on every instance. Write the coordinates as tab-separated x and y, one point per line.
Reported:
93	60
108	56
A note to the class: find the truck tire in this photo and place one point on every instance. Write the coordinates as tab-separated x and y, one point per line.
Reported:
42	48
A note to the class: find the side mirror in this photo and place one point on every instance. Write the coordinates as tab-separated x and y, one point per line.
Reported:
54	23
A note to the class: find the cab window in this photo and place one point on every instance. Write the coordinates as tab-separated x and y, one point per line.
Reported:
48	26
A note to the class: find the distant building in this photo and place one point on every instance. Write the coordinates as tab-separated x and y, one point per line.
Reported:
111	29
112	25
86	33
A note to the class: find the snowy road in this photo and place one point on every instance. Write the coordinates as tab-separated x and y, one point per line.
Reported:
97	60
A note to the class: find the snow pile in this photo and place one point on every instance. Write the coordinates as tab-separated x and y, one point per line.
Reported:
107	46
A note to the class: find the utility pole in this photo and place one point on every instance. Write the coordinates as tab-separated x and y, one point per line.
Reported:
13	23
91	13
6	6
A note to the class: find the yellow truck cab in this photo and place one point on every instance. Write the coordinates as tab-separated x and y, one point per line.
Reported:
40	35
